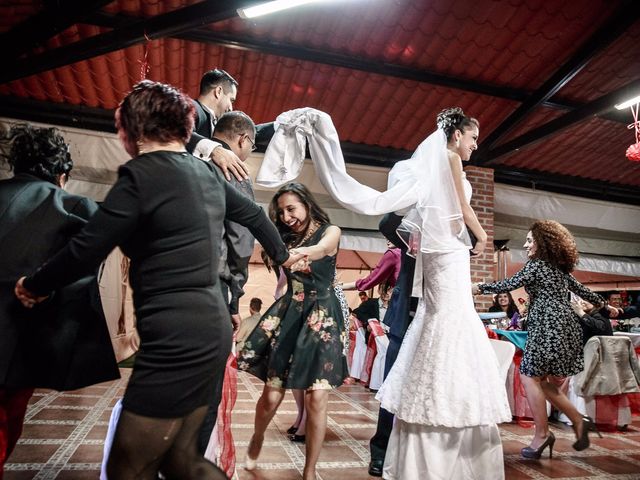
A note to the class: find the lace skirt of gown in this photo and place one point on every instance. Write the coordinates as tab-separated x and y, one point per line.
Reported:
446	373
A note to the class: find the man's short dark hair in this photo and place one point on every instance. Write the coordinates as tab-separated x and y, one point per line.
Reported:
235	123
215	77
255	304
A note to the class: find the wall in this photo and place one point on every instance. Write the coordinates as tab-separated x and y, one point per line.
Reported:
482	266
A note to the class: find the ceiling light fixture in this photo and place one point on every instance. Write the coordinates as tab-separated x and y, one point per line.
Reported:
628	103
270	7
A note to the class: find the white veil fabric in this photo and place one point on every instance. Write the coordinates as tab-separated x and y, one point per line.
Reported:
284	159
423	184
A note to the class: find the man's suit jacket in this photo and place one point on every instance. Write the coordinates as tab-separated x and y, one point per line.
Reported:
202	127
237	247
62	343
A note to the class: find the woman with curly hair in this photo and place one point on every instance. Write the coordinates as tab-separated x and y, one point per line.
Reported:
554	343
39	348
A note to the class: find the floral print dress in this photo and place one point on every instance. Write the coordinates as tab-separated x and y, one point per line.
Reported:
299	341
554	341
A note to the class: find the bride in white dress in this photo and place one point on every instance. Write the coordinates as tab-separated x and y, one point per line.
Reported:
444	388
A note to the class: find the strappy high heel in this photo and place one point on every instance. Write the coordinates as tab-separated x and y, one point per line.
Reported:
528	452
588	425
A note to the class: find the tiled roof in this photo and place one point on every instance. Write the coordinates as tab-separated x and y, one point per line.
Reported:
382	69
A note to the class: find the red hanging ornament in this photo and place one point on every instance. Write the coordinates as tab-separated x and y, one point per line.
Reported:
633	152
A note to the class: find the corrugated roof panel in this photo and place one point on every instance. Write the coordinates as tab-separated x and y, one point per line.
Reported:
594	149
517	44
610	70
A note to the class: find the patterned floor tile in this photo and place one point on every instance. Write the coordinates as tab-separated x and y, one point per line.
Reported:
64	433
613	465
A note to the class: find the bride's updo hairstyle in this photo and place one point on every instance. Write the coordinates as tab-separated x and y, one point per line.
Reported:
452	119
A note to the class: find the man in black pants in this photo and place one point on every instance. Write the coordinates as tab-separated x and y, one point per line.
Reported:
235	132
402	307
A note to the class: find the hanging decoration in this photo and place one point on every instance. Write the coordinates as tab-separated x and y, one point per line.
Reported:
144	63
633	152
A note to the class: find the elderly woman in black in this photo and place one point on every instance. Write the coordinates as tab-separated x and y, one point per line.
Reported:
166	212
554	343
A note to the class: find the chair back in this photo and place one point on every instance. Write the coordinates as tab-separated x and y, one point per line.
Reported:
504	352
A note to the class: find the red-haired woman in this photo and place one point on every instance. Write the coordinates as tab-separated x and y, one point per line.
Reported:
166	212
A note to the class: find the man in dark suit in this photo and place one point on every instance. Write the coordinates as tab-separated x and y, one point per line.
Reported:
402	307
235	132
63	343
218	92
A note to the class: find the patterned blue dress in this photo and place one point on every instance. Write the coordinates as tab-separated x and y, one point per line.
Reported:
554	342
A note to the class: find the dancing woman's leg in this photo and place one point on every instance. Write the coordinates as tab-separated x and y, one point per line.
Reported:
265	410
561	402
184	460
316	408
537	403
298	395
144	445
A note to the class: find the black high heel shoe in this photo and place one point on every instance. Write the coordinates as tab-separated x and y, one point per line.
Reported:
528	452
588	425
298	438
292	429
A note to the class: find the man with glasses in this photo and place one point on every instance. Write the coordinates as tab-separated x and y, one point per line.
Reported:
236	133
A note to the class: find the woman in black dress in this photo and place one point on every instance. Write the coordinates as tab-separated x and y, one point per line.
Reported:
166	212
554	343
300	340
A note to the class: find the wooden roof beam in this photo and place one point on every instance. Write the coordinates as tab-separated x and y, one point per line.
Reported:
625	16
167	24
47	23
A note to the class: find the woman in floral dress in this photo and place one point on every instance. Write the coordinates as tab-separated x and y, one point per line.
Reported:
299	342
554	343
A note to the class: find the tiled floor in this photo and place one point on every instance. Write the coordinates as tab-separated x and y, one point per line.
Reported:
64	432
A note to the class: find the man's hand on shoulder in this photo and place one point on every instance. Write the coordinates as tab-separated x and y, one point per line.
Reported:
229	163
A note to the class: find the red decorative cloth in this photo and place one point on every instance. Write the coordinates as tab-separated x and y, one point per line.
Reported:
634	398
221	449
13	407
372	350
352	347
607	407
522	412
491	333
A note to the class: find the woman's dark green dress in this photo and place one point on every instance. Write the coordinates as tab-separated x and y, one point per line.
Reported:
299	341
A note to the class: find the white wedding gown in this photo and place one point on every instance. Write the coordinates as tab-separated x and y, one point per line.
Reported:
445	388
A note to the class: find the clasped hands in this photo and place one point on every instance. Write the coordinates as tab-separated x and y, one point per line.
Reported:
298	261
27	298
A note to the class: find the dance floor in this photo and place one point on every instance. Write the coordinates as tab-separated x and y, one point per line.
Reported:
64	433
